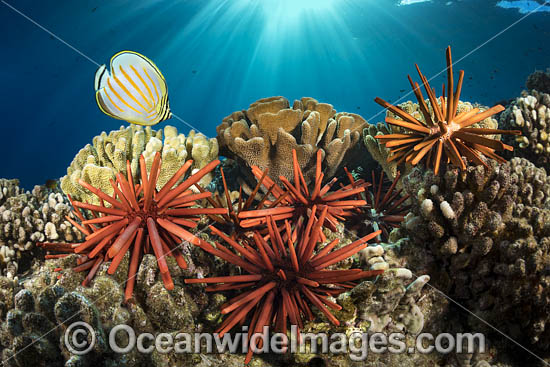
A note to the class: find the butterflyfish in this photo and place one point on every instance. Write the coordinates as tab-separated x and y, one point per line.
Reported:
134	90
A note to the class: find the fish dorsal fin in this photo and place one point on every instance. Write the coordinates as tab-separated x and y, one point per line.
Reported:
101	76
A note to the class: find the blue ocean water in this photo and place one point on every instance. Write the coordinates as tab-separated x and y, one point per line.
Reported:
218	56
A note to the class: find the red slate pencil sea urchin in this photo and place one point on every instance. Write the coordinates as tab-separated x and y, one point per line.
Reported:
140	218
230	222
385	208
447	136
296	201
284	277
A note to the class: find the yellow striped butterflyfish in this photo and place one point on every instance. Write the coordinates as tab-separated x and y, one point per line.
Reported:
134	90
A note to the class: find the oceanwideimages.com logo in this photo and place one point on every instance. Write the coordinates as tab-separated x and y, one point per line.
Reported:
80	338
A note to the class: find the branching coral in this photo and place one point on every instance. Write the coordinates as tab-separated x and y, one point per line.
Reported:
302	204
284	278
446	137
385	207
140	218
96	164
489	231
531	114
28	217
266	134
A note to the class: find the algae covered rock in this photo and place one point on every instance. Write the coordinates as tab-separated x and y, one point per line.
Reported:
48	303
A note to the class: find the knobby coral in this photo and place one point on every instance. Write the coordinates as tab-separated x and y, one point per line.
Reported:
539	80
531	114
284	278
446	137
488	230
297	201
26	218
265	134
139	217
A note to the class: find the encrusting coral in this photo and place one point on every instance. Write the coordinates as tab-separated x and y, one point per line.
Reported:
267	132
28	217
139	219
99	162
443	136
489	232
530	113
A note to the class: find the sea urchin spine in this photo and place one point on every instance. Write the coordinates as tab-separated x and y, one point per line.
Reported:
297	201
446	137
284	277
141	218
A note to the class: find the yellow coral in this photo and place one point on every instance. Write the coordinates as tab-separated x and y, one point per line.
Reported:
266	133
99	162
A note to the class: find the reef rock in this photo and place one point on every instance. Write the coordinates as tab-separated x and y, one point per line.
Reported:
539	80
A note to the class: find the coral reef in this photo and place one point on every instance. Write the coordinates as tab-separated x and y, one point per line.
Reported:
488	230
300	204
34	307
140	218
381	153
28	217
443	135
285	278
530	113
99	162
37	312
539	80
265	134
385	207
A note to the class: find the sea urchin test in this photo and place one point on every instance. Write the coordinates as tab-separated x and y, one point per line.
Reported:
134	90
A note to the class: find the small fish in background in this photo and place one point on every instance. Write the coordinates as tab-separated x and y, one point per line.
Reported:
134	90
51	184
